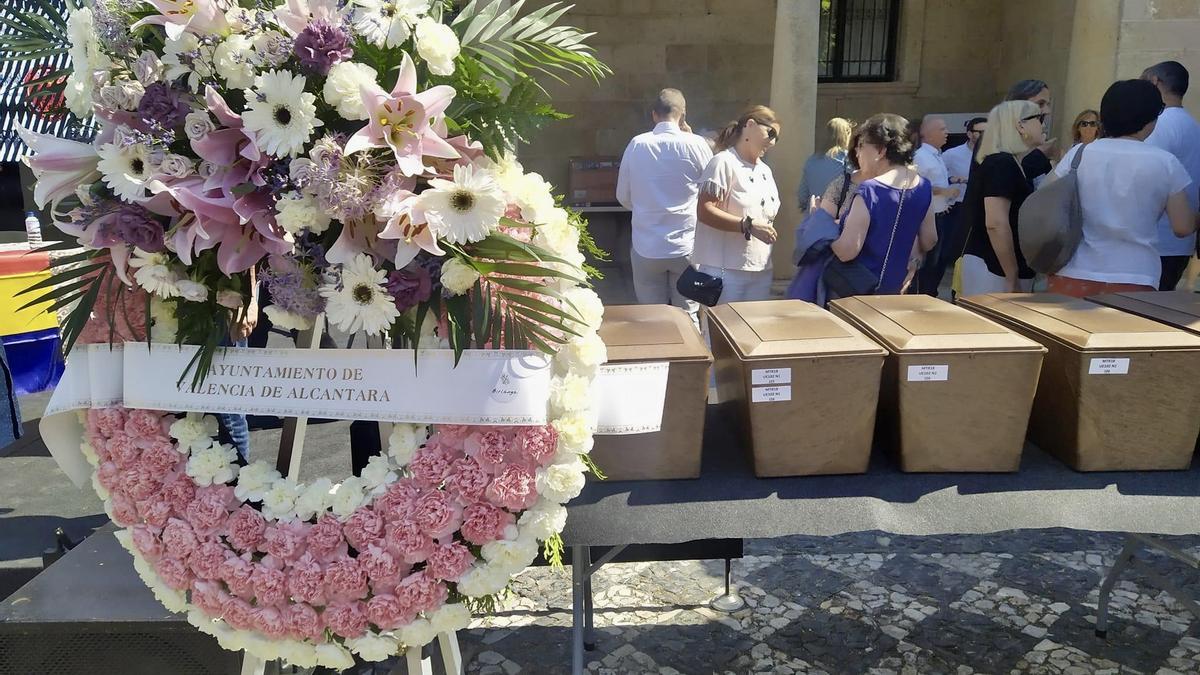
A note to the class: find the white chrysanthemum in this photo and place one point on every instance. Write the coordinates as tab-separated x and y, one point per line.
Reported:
388	23
315	499
531	192
377	474
86	58
254	480
297	212
561	482
360	301
280	499
582	355
234	61
349	496
194	431
458	277
404	441
417	633
187	56
286	320
574	433
558	236
125	169
343	88
438	45
192	291
588	306
280	113
569	393
544	520
153	274
466	209
449	618
214	465
373	646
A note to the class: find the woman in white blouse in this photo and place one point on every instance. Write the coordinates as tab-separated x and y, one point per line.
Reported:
737	207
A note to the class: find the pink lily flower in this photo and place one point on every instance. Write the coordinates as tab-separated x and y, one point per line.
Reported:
59	165
404	121
408	224
295	15
202	17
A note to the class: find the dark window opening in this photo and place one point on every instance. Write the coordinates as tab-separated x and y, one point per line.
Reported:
858	40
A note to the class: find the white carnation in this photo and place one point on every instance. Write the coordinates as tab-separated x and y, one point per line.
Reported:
482	581
438	45
510	555
297	212
254	480
378	474
193	291
417	634
287	320
404	441
561	482
215	465
583	355
449	618
559	236
89	453
233	61
314	499
531	192
544	520
373	647
570	393
343	88
574	433
100	490
280	499
588	306
194	431
297	653
349	496
333	655
458	277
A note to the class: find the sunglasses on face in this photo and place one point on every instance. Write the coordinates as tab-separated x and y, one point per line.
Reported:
1040	117
974	131
1089	123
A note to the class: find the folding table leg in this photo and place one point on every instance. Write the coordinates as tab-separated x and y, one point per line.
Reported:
579	573
1124	560
589	611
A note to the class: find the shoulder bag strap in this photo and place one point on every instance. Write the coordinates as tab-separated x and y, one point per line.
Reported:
895	226
842	194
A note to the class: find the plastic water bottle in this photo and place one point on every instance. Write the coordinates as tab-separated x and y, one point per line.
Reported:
33	229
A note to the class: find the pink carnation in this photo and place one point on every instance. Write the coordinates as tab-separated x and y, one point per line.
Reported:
270	585
124	510
538	444
379	564
483	523
178	490
407	541
173	572
395	503
468	480
387	613
209	597
179	539
100	447
140	481
245	529
238	573
348	619
161	457
437	514
154	510
452	434
306	580
238	613
325	539
303	622
489	448
449	561
108	474
123	450
421	592
208	558
431	466
210	509
515	488
269	621
345	579
143	423
110	421
285	541
146	541
363	528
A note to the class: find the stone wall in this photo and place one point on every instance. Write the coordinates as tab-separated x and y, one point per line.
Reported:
1162	30
1035	44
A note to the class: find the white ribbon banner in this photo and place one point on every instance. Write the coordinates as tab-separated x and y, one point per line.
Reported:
490	387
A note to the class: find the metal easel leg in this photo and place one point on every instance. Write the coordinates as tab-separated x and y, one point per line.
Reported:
730	601
579	573
589	613
1124	560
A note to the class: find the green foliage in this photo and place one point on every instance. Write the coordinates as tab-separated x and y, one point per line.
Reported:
591	466
552	551
587	243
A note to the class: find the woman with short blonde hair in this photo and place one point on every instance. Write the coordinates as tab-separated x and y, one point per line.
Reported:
825	167
992	260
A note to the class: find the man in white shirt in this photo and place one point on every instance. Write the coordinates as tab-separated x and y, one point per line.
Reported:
932	168
658	181
1178	133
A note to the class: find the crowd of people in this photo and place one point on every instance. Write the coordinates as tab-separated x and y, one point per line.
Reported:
890	209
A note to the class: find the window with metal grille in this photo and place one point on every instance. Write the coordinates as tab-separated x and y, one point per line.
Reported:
858	40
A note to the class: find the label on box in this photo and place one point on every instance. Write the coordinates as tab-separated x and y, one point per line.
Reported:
928	373
771	394
771	376
1108	367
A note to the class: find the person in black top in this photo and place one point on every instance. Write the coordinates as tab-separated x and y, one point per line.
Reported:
996	189
1037	162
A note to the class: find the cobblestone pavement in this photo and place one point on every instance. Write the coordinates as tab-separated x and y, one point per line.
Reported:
1016	602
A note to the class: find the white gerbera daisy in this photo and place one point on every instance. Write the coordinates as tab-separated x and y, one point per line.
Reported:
466	209
388	23
125	169
154	275
280	113
360	301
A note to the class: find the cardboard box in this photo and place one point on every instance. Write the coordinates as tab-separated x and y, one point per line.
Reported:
592	181
1180	309
645	333
1118	392
806	385
957	388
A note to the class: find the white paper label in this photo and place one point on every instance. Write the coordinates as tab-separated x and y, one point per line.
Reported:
928	373
629	397
1108	367
771	394
771	376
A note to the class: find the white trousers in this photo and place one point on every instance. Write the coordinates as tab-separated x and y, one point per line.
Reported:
654	282
977	279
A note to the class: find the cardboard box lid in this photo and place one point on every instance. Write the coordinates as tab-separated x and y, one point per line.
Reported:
783	328
1174	308
1082	325
651	333
919	323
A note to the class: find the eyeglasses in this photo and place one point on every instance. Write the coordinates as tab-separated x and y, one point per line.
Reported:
974	131
772	135
1089	123
1040	117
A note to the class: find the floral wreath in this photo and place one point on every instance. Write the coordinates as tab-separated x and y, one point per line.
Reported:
352	157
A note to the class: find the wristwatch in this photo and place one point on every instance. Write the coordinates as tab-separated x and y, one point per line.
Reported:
747	223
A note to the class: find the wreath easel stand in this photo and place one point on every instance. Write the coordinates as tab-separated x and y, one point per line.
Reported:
291	449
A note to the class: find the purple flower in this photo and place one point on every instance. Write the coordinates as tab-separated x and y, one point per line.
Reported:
135	225
320	45
410	286
291	289
163	105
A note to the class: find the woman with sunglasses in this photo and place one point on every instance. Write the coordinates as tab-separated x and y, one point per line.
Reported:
737	207
992	261
1086	127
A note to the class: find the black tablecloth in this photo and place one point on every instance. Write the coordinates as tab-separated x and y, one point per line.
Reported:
728	501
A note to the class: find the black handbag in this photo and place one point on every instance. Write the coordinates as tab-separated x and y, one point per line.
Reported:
703	288
850	278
